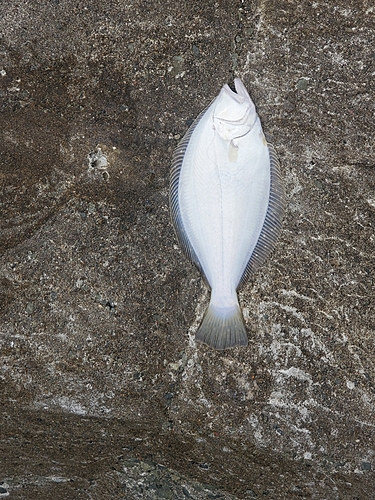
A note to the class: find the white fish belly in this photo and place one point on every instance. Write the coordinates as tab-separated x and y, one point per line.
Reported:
223	195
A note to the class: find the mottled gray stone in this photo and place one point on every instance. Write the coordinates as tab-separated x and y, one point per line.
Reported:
103	391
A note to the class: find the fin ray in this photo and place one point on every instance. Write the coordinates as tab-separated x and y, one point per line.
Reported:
222	329
272	223
177	161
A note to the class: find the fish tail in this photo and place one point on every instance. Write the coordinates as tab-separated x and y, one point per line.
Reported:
222	327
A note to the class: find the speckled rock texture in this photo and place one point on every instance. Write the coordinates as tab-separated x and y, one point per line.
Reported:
104	393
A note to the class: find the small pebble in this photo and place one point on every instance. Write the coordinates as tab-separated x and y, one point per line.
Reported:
302	84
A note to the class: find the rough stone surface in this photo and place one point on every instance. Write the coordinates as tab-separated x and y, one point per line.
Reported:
104	393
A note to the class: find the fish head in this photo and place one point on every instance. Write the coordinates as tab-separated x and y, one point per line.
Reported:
234	113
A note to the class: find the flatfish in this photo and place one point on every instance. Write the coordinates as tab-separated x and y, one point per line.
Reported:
227	205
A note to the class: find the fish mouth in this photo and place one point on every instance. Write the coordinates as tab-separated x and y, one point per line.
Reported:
234	115
240	94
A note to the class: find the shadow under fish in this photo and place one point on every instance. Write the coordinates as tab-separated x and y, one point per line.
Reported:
227	205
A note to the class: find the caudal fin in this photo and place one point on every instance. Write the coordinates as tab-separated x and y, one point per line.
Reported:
222	328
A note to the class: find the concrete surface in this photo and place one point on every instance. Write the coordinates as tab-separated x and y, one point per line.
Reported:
104	393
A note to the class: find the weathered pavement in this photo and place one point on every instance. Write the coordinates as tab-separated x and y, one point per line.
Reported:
103	391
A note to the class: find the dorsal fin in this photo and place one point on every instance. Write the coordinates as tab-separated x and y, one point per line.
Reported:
177	160
272	222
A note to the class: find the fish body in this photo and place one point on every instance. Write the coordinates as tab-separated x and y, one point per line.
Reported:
227	204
